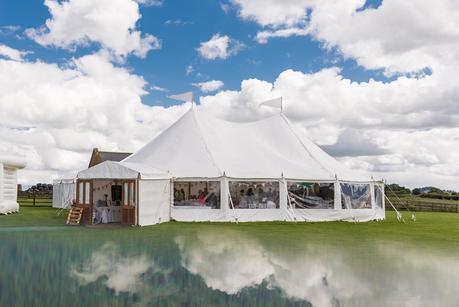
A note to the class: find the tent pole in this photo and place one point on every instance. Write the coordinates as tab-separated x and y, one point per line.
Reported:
289	203
231	200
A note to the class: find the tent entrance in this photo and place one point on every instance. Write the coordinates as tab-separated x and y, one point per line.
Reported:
107	201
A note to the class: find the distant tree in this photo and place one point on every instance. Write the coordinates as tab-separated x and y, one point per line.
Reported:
416	191
398	189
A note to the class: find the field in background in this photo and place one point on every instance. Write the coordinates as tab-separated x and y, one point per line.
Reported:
417	203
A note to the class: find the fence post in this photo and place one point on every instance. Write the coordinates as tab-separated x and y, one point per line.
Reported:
33	198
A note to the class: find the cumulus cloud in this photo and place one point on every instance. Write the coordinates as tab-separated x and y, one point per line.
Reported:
55	115
209	86
263	36
322	274
121	274
110	23
150	2
386	128
395	36
219	47
11	53
272	12
159	88
401	129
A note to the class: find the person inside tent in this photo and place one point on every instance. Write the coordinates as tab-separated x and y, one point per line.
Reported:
201	197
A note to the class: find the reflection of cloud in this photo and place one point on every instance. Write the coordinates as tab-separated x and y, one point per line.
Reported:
122	274
239	270
232	261
324	275
422	278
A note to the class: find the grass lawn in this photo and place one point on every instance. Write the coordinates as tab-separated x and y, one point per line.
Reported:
430	229
416	259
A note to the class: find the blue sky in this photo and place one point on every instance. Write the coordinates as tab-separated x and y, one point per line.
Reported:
381	97
181	32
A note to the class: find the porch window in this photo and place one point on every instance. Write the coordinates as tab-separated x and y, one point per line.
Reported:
254	194
311	195
355	196
379	196
197	194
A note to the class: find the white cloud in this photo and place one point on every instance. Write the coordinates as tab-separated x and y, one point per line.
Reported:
11	53
55	115
407	125
177	22
150	2
209	86
219	47
273	13
111	23
321	273
189	70
159	88
395	36
122	274
263	36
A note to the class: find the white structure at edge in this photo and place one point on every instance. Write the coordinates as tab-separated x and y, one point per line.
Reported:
63	193
201	148
8	183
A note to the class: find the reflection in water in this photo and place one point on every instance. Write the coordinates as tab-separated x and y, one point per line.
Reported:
215	267
227	262
121	274
324	276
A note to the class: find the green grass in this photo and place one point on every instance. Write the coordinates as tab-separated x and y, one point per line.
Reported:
38	251
430	229
33	216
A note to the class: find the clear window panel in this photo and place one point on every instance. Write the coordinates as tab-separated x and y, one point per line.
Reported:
355	196
197	194
254	194
131	194
311	195
80	192
125	193
87	192
379	196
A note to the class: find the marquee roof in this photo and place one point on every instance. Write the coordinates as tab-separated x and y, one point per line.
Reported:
202	146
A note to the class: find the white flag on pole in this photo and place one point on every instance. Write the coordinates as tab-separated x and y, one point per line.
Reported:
274	103
187	97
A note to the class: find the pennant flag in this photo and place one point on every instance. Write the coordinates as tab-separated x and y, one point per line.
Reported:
274	103
187	97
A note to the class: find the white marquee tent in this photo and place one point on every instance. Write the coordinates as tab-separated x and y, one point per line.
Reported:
207	169
8	183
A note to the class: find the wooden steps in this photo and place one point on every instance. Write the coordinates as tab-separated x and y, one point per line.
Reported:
74	216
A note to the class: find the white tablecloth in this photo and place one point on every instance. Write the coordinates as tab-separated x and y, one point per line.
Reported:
110	214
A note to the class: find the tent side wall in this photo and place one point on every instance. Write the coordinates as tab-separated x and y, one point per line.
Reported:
63	193
8	189
154	201
285	212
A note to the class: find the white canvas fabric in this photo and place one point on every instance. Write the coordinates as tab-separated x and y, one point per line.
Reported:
63	193
201	146
8	183
154	202
121	170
